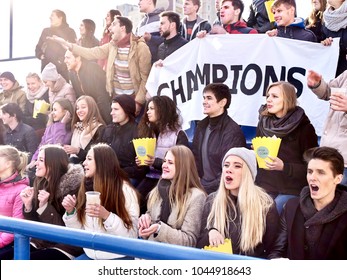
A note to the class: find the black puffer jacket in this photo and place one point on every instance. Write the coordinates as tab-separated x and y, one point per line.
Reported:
342	34
120	138
170	45
297	31
258	17
226	134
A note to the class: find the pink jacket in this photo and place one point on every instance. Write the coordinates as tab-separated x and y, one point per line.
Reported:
10	202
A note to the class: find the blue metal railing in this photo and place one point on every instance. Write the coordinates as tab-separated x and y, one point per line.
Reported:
137	248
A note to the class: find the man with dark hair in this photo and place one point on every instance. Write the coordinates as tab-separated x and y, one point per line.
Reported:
87	78
17	133
215	135
169	30
128	60
12	91
149	26
314	225
192	23
287	25
231	20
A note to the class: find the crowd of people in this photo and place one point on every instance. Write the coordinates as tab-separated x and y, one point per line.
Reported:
191	193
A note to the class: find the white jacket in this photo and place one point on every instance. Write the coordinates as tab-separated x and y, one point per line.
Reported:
112	225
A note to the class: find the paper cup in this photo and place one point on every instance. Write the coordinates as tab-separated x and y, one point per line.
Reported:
335	90
93	197
265	147
144	147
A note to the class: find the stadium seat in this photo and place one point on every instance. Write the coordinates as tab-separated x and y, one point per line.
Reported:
249	132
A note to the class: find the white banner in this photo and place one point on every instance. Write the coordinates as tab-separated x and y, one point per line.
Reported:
247	64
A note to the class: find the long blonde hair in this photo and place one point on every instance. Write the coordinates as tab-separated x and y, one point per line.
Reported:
317	15
185	179
253	204
18	158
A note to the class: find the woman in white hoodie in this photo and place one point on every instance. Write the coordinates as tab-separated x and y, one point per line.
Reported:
118	211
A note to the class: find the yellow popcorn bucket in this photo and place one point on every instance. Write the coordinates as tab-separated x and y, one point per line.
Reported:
144	147
269	12
40	106
222	248
265	147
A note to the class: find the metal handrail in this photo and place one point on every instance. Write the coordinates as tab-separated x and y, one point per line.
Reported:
137	248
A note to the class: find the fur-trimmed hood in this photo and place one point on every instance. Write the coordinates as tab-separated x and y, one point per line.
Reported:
71	180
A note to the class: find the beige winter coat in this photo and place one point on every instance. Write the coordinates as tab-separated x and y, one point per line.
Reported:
185	233
139	63
335	129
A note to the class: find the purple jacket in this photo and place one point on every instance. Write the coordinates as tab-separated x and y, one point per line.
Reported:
55	133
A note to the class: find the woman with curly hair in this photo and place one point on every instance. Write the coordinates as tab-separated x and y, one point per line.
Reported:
161	121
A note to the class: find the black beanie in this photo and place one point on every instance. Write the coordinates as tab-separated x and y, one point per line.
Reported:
127	103
9	76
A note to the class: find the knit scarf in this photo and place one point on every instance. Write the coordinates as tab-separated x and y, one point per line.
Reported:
83	135
271	125
336	19
315	220
165	210
124	42
37	94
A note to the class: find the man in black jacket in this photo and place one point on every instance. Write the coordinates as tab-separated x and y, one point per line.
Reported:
169	29
87	78
215	135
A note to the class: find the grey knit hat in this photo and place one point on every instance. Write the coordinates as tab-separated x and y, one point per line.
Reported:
248	156
50	73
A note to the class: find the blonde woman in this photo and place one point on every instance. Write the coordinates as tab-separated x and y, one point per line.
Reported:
240	210
314	22
36	90
175	205
12	182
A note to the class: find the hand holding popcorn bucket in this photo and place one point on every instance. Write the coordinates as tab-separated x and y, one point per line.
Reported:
144	147
265	147
40	106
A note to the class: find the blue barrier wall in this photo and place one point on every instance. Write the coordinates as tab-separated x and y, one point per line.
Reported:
137	248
